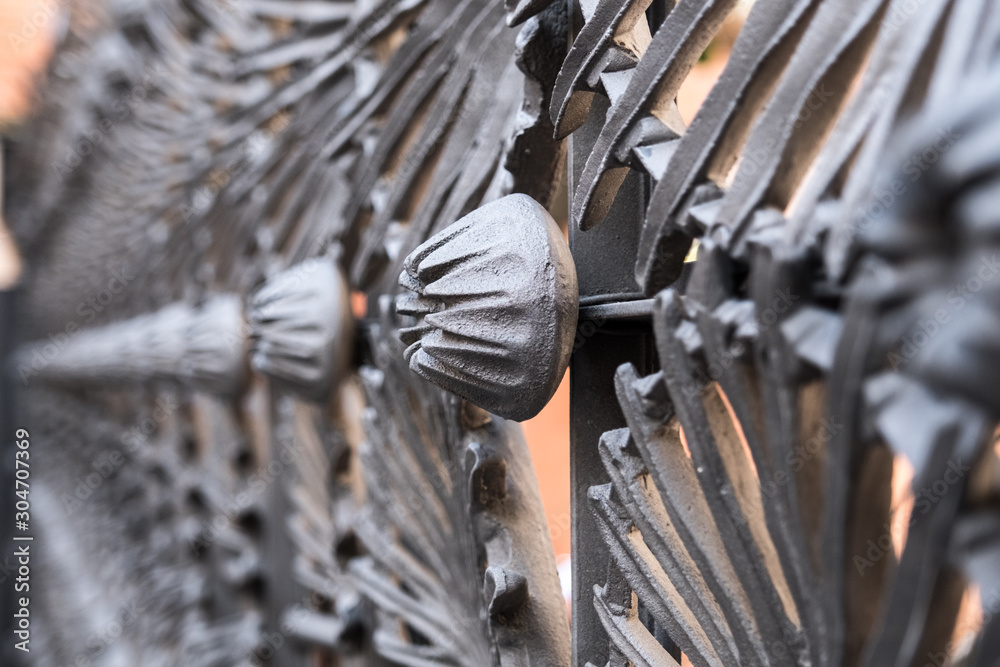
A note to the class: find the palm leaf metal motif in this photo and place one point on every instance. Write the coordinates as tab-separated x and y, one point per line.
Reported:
756	467
203	149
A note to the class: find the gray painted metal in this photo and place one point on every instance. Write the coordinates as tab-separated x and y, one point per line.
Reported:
496	307
281	487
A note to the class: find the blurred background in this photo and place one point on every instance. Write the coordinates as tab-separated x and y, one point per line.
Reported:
28	31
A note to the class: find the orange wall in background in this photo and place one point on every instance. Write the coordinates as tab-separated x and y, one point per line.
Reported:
548	433
27	28
548	440
26	38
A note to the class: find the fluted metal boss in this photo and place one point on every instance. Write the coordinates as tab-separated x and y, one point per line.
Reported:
302	327
496	294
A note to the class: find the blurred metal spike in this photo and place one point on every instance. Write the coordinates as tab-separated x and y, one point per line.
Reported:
203	347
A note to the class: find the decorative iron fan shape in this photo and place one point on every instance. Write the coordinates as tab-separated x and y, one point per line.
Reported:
757	464
203	148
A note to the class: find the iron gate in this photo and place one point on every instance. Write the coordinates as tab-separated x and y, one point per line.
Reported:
292	280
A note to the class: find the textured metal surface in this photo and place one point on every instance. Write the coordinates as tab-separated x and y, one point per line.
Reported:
277	156
740	504
496	301
782	453
459	553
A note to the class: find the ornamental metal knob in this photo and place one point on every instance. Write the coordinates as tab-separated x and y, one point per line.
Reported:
496	294
302	328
